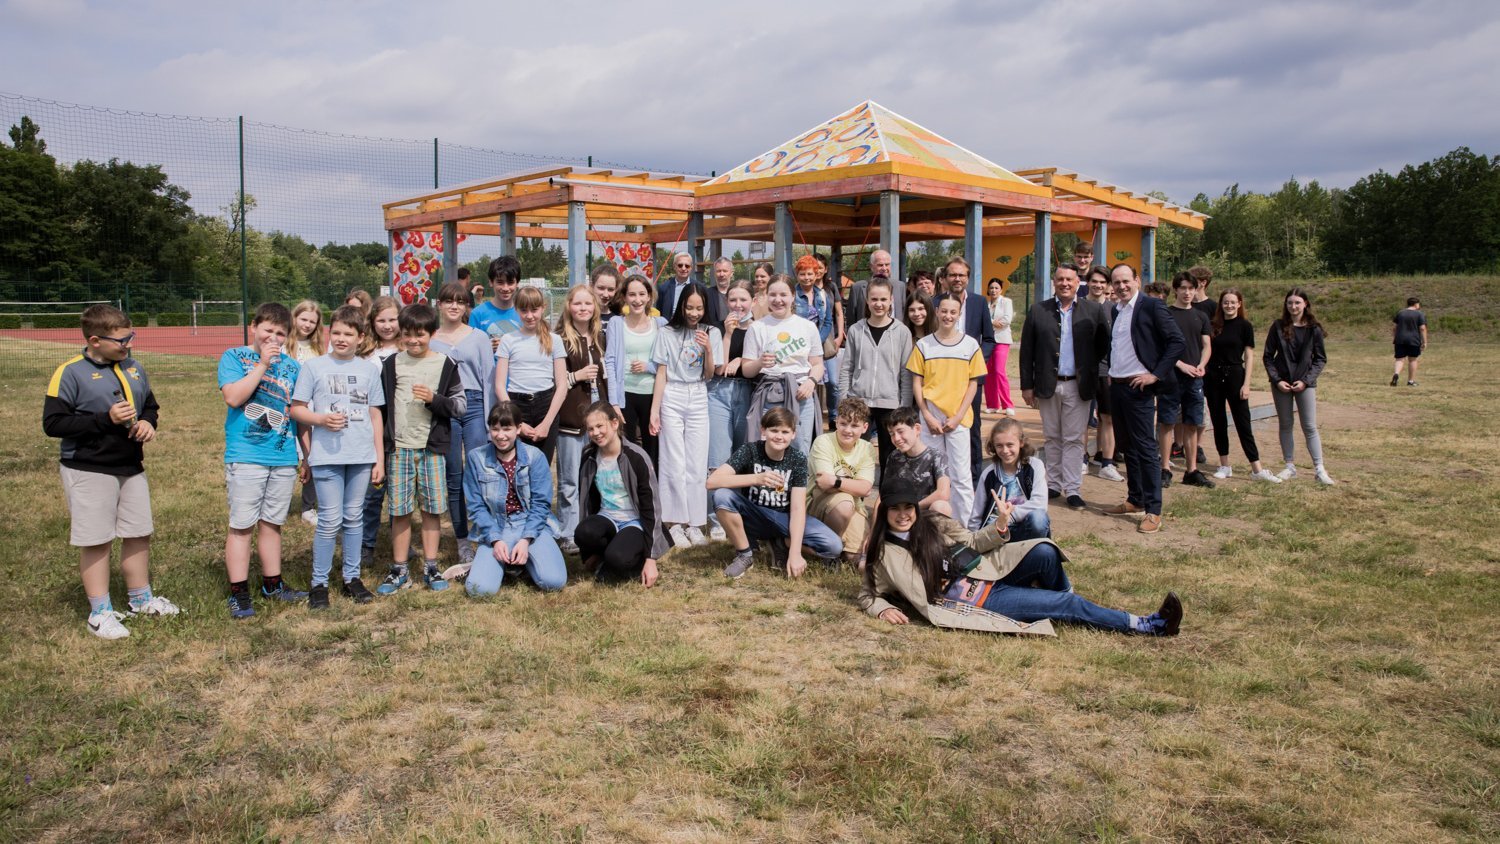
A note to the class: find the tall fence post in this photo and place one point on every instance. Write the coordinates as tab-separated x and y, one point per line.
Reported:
244	261
434	163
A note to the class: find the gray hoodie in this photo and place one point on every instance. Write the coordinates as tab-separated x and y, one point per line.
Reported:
877	374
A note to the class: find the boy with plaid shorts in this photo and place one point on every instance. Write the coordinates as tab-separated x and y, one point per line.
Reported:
422	394
261	462
101	406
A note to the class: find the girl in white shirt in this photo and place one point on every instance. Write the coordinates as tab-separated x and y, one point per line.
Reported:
684	358
530	364
783	346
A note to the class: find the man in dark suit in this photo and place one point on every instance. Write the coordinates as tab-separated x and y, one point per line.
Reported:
1145	344
1062	343
975	320
682	276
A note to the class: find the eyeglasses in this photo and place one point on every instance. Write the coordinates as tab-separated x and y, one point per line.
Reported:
123	341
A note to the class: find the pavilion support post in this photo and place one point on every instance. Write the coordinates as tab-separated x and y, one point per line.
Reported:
1043	255
695	243
450	252
578	224
508	233
1148	254
783	232
890	221
974	245
1101	245
387	287
715	249
836	267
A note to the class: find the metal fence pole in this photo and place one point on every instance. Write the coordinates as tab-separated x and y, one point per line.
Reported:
434	163
244	261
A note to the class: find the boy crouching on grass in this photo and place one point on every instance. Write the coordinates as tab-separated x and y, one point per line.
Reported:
261	463
843	473
423	394
913	466
101	406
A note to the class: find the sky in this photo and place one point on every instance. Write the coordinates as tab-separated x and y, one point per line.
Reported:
1180	97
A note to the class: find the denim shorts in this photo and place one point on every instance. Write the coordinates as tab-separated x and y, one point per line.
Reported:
258	493
1183	404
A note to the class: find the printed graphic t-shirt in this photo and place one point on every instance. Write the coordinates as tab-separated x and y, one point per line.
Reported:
260	431
751	459
919	474
350	387
679	352
614	501
793	340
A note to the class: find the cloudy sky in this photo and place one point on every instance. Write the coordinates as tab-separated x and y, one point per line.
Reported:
1183	97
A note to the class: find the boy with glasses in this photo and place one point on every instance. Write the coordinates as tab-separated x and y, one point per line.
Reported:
101	406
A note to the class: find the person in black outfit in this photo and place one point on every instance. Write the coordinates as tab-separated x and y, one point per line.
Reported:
1227	384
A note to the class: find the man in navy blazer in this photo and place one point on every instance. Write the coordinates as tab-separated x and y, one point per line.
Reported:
1145	344
976	324
666	295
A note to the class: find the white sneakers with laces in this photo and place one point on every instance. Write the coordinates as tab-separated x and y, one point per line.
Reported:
1265	475
679	536
106	625
1224	472
696	537
1288	473
1322	475
1109	473
157	606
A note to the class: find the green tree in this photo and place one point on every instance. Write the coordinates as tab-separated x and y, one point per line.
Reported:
33	233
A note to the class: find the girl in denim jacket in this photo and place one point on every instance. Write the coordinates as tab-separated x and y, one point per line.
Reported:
508	489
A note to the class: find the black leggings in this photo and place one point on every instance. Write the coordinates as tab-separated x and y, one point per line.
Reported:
533	411
1223	388
622	553
637	411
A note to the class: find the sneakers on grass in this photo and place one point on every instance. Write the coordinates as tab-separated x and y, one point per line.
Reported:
355	591
394	582
1224	472
679	537
1197	478
1288	473
1265	475
743	561
696	537
157	606
317	597
240	605
283	593
106	625
717	534
1322	475
434	579
466	550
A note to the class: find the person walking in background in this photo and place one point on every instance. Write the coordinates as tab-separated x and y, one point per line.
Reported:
1227	384
997	380
1294	358
1409	334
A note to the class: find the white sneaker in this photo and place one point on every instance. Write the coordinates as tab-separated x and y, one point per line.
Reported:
717	534
696	536
1265	475
1010	411
1288	473
156	606
1322	475
1224	472
106	625
1110	473
567	546
310	516
679	537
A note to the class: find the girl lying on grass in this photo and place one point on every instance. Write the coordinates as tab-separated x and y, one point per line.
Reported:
981	581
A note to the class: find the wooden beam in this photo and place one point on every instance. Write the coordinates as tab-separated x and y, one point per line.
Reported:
768	196
491	208
478	186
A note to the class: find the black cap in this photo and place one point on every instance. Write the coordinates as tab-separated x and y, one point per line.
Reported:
898	493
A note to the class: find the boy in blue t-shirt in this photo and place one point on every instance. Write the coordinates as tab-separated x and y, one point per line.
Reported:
261	463
498	316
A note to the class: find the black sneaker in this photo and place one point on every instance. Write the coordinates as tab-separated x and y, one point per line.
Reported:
1197	478
317	597
1076	502
780	552
1053	494
355	591
1166	478
1170	615
1395	379
1201	460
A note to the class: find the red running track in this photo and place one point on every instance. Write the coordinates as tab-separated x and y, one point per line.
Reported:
209	341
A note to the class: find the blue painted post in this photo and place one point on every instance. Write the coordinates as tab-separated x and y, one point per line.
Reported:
1043	255
1148	254
578	269
974	245
695	243
1101	245
783	233
450	253
890	221
508	233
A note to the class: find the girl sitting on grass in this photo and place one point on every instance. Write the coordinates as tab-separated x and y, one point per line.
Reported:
619	533
1017	476
981	581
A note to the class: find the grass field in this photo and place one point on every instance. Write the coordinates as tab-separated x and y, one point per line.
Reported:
1336	678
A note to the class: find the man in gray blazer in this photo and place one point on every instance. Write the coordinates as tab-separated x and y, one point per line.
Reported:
1062	343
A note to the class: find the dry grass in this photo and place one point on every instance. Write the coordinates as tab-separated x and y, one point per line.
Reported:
1336	680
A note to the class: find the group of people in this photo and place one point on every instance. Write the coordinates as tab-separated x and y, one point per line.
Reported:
647	417
1141	364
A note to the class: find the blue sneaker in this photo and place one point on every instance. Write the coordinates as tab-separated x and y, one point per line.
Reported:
283	593
240	605
393	583
434	580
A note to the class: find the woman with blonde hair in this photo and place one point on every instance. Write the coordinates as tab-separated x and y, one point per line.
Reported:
587	382
308	338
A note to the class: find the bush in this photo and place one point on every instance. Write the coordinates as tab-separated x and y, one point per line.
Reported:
173	318
54	321
140	319
218	318
10	321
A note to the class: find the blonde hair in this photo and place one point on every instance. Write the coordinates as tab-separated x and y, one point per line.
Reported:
370	341
317	340
1008	425
574	342
531	299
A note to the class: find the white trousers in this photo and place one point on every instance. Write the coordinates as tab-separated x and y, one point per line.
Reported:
683	446
953	448
1065	425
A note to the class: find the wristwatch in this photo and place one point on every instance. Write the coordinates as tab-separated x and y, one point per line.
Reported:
838	483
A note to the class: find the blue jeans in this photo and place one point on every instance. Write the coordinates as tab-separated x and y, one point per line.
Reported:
831	386
807	424
728	402
544	561
1037	525
374	501
1038	588
467	433
765	523
569	457
341	501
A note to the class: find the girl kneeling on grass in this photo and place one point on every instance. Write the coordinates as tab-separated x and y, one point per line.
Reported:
508	489
981	581
619	531
684	358
1015	474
